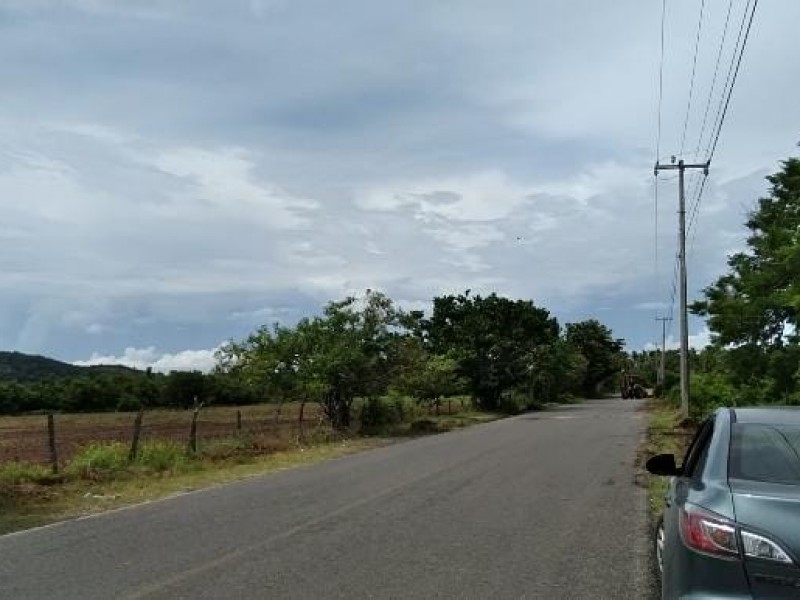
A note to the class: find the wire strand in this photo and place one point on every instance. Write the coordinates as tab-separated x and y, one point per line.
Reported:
694	70
738	61
728	77
661	79
733	81
714	78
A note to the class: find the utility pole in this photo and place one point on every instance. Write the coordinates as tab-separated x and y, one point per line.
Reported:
681	168
662	369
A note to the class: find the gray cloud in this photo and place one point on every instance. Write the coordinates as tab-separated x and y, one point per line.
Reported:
177	173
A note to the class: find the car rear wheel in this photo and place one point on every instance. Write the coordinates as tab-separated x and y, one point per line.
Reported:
659	539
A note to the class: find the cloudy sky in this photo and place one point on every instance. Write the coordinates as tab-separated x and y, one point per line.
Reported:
174	174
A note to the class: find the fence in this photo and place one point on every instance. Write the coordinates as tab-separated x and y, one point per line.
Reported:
55	439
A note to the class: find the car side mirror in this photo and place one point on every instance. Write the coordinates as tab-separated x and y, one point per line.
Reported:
664	465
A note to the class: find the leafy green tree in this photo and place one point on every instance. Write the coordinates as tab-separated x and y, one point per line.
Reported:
601	351
491	338
753	309
758	300
349	351
431	378
182	387
556	371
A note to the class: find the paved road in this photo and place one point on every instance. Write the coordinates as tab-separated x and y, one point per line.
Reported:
538	506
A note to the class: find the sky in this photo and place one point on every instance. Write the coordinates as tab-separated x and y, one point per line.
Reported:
175	174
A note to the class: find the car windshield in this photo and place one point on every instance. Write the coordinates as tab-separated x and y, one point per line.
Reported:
768	453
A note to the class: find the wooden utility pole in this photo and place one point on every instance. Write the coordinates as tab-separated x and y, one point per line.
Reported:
681	168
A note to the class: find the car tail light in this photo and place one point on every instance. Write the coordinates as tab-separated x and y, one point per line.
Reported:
757	546
708	533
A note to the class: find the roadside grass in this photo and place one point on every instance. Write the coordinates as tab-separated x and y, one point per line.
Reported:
31	496
665	435
99	476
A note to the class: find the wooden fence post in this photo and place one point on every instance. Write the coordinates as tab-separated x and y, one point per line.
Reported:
193	430
137	431
238	422
51	438
301	434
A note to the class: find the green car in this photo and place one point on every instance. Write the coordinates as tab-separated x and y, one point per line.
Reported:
731	521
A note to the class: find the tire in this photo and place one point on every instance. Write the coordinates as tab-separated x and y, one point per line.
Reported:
658	549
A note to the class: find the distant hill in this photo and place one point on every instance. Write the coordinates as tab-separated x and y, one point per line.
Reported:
17	366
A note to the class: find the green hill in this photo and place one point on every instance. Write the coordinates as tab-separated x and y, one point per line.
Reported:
17	366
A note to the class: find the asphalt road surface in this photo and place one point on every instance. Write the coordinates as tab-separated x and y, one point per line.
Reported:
542	505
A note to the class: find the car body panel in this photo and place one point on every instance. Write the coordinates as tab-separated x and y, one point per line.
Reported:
772	510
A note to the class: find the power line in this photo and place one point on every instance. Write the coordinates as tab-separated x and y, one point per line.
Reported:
658	144
722	110
694	70
695	212
661	79
695	206
714	78
674	291
733	81
728	76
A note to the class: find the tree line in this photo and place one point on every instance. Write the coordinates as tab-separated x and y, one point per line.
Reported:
505	354
120	391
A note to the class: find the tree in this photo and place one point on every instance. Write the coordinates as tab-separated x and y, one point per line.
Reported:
758	300
491	338
601	351
556	371
351	350
431	378
753	309
182	387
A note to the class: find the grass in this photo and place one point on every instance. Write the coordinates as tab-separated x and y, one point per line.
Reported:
664	435
99	477
30	496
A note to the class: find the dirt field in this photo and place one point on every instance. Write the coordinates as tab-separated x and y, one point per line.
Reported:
25	439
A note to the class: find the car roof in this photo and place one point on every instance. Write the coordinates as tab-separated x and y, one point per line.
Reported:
783	415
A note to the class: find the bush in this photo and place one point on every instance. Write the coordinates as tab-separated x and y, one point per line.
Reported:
99	460
17	473
517	401
163	456
376	412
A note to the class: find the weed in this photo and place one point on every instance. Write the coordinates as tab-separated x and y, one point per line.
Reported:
99	460
161	457
16	473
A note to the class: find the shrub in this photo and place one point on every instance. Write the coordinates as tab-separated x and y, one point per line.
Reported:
99	460
514	402
376	412
17	473
163	456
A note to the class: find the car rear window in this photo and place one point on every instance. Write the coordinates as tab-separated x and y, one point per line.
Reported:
769	453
